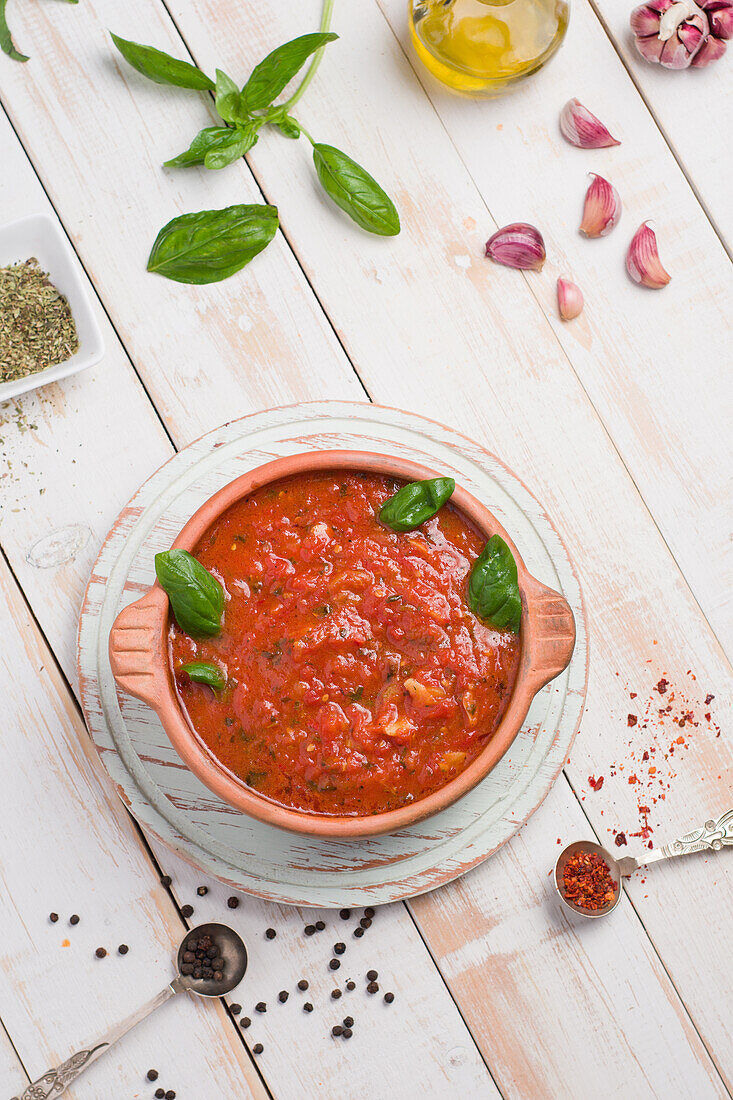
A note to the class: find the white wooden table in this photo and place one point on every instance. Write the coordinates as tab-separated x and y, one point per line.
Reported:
619	421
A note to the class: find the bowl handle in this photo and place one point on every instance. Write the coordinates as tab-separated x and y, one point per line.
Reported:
554	636
136	655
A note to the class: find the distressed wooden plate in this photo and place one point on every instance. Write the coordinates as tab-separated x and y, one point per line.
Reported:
259	859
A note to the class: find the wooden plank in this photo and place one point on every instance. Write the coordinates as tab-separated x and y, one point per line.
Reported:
665	402
693	110
495	372
55	994
75	443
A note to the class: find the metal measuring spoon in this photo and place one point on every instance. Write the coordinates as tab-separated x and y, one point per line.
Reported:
714	835
234	953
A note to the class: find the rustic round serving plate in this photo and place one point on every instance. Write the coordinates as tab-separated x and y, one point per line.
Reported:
168	800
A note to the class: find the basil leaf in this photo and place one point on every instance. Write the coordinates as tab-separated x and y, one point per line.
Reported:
355	191
288	126
229	100
6	41
204	672
161	67
210	245
272	75
414	503
231	148
197	598
493	591
206	140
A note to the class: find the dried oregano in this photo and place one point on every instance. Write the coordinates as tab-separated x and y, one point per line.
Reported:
37	329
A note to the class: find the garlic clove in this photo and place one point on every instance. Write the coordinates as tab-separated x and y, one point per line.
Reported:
517	245
642	259
720	17
569	299
602	208
583	129
711	50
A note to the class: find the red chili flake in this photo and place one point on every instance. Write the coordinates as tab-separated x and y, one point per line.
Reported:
559	841
620	839
596	784
708	699
644	810
633	694
633	778
662	686
631	719
645	756
587	881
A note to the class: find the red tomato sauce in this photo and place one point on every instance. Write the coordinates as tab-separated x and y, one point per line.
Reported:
358	680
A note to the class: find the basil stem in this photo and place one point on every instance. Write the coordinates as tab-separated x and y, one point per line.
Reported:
161	67
416	502
272	75
6	39
204	672
196	597
355	191
210	245
493	589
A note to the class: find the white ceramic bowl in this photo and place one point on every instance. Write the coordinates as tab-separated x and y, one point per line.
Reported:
40	235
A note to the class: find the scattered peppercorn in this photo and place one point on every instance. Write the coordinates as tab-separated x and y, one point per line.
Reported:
358	932
369	912
348	1033
372	975
337	1029
233	903
350	985
348	1021
152	1075
335	994
100	952
257	1048
270	933
302	985
170	1095
365	922
283	996
309	929
235	1009
320	925
389	997
187	911
123	949
339	948
373	988
245	1022
53	917
307	1007
166	880
159	1094
202	891
260	1007
74	918
345	914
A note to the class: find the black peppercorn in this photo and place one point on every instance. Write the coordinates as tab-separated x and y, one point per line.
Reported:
335	994
336	1029
100	952
202	891
152	1075
53	917
307	1007
350	985
170	1095
358	932
372	975
365	922
257	1048
389	997
187	911
373	988
159	1094
345	914
166	880
260	1007
348	1033
246	1022
123	949
348	1021
320	925
74	919
369	912
302	985
235	1009
334	964
309	929
283	996
233	903
270	933
339	948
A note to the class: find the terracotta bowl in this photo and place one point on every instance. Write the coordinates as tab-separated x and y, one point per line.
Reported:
138	653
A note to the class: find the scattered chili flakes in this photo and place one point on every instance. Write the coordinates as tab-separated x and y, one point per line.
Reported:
662	686
619	839
587	881
596	784
631	719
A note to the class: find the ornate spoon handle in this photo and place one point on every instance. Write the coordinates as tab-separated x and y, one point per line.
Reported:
55	1081
713	835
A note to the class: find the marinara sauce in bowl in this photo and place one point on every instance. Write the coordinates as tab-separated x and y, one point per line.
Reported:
362	693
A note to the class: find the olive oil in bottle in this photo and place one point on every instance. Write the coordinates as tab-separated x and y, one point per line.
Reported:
482	48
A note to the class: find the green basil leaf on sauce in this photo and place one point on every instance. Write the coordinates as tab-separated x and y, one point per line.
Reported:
6	39
416	502
355	191
204	672
196	597
211	245
161	67
493	589
272	75
229	100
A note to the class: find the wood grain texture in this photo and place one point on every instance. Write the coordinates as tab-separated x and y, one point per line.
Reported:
11	1071
55	994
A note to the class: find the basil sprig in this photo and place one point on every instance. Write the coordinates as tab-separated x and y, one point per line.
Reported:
161	67
212	244
6	39
205	672
197	598
493	589
243	113
355	191
416	502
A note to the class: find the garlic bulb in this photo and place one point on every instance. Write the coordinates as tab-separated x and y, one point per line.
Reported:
681	33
